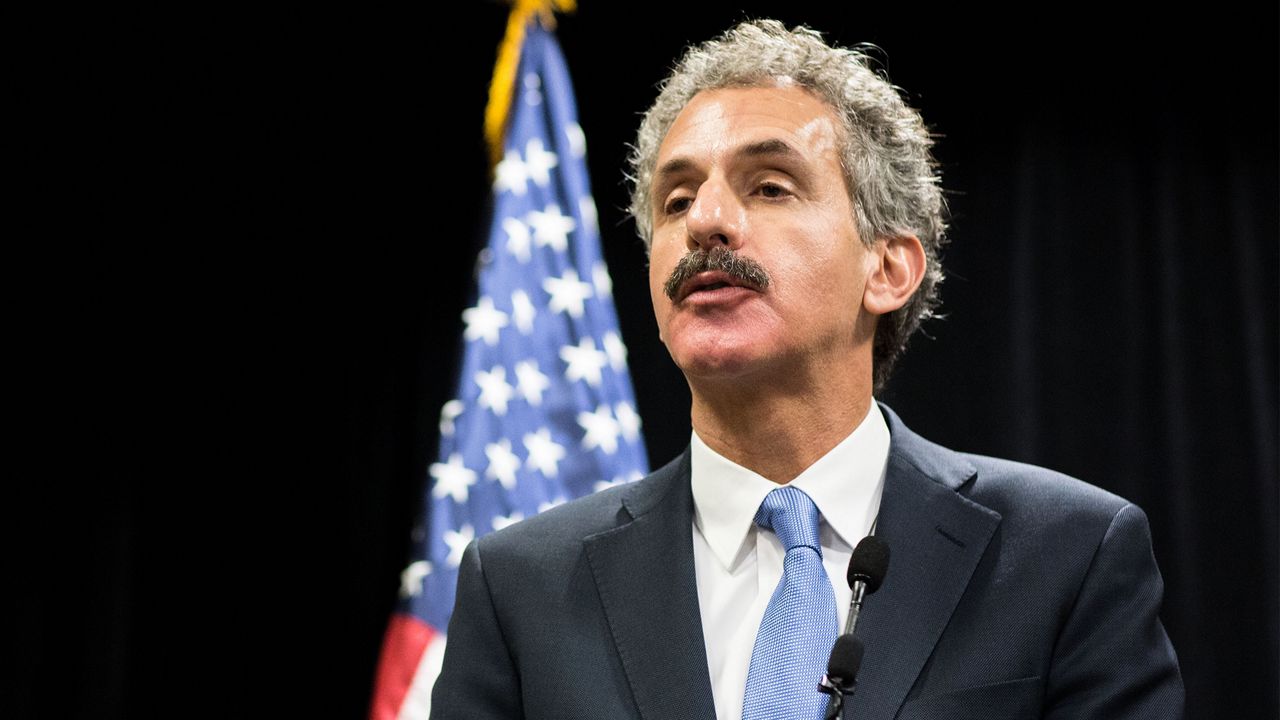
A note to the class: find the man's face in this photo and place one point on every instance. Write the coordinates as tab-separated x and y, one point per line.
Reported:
757	171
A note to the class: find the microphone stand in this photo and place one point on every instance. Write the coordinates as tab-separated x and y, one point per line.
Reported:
851	620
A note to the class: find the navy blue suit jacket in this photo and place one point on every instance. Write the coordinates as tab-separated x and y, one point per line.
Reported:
1013	592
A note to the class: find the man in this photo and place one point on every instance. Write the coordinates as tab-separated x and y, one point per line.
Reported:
790	204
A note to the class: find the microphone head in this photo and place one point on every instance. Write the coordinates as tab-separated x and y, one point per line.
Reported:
869	563
846	658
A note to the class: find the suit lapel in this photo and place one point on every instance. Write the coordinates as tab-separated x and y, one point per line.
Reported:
936	537
645	575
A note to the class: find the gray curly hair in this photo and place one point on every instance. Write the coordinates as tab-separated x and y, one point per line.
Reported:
886	153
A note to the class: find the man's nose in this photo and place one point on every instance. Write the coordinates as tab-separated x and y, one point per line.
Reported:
715	218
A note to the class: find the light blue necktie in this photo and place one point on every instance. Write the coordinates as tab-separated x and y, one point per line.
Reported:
799	625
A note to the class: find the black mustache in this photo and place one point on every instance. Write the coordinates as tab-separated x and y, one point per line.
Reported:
744	269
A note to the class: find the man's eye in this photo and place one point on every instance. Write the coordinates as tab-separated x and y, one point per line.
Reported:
772	190
677	205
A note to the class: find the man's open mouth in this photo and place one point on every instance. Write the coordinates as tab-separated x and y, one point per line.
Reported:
710	280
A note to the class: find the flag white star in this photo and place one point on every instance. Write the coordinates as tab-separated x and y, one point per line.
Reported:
519	239
494	390
577	139
567	293
544	453
411	578
511	174
448	414
616	351
522	311
531	382
551	227
601	430
457	542
543	507
502	463
600	278
483	321
538	161
452	478
628	420
584	361
506	521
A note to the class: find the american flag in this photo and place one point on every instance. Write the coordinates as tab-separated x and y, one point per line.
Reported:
544	410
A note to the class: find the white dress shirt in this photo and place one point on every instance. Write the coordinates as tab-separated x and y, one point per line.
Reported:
738	565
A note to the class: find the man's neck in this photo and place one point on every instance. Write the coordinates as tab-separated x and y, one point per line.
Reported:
778	429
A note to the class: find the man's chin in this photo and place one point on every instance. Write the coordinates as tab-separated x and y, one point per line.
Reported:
721	362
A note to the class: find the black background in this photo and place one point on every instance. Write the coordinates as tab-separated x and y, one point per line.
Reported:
254	236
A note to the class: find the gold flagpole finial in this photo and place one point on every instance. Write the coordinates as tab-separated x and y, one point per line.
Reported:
501	88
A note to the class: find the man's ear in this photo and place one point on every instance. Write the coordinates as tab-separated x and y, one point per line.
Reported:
898	267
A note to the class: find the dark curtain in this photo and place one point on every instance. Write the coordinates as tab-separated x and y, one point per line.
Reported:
1114	317
260	232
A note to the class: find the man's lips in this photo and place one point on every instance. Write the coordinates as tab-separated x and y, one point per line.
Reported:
710	280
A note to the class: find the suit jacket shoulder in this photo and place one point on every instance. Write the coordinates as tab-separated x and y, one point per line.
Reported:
1011	488
1011	588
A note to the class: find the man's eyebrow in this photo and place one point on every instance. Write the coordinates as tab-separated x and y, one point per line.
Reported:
772	147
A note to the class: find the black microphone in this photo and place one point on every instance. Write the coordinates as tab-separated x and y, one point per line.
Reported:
867	568
846	658
842	673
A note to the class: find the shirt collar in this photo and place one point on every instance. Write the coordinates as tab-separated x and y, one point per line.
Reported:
845	484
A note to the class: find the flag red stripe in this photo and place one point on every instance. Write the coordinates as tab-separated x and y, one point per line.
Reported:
406	639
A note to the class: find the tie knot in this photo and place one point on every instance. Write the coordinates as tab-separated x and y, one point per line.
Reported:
792	516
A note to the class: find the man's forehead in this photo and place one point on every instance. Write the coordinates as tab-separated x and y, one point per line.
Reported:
790	105
786	124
